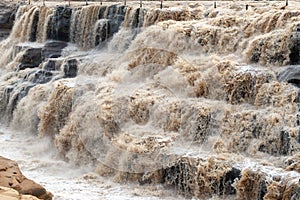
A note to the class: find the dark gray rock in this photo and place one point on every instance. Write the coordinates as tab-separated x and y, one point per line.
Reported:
70	68
34	25
13	94
110	23
116	14
138	18
102	32
50	65
53	49
30	59
4	33
102	12
59	24
7	14
227	181
295	46
38	76
291	75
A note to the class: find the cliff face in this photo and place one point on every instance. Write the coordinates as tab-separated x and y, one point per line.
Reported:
7	14
7	17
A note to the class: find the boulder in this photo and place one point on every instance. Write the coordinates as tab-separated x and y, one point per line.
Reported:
11	194
12	177
30	59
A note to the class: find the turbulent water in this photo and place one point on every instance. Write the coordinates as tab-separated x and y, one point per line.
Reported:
202	100
37	161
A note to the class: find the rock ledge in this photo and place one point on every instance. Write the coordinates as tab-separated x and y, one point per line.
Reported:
14	185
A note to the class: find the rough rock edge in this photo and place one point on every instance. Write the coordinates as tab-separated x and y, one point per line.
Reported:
11	194
12	177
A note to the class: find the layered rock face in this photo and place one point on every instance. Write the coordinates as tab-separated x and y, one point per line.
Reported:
14	185
202	99
7	14
7	17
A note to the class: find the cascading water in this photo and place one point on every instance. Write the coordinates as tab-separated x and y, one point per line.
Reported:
199	98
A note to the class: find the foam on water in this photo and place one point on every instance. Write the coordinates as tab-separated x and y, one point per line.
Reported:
37	161
185	96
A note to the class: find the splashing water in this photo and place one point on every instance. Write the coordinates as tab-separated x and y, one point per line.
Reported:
202	99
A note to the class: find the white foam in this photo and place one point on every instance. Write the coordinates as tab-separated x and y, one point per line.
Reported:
37	161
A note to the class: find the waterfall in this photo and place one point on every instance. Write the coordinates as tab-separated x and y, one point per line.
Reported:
25	29
44	17
85	26
200	98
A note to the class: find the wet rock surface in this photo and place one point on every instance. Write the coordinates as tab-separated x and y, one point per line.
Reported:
209	81
12	177
31	58
59	24
7	14
36	65
52	49
291	75
295	46
70	68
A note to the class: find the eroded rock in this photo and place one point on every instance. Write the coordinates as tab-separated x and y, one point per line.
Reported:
30	59
59	24
11	194
12	177
7	14
53	49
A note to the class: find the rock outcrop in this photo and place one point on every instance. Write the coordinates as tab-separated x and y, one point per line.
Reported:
12	177
11	194
53	49
59	24
7	14
7	17
30	59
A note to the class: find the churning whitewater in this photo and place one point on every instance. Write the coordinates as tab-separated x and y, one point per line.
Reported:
197	98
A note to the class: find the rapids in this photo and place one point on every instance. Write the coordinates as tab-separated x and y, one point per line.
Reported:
201	100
